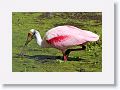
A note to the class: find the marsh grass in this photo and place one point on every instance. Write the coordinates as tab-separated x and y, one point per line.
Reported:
37	59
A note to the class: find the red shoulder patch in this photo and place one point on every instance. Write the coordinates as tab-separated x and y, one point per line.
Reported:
57	39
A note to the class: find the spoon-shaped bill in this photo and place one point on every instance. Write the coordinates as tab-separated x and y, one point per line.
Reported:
29	38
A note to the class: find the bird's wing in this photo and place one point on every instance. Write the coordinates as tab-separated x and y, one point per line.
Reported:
88	35
66	41
67	36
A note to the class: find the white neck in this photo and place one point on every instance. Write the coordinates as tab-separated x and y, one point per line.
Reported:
38	38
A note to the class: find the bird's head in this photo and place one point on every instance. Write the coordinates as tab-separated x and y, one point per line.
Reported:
30	36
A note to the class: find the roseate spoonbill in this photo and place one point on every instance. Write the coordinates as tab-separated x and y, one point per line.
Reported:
62	38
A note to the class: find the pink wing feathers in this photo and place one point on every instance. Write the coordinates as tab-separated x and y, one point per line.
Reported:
67	36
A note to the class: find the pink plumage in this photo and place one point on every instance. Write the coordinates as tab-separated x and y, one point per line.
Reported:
63	37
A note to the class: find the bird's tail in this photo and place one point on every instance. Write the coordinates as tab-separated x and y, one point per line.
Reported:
90	36
95	38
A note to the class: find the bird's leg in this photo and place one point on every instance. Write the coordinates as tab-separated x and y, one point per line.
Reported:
65	57
67	52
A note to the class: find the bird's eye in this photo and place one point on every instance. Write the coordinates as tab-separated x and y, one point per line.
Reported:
33	33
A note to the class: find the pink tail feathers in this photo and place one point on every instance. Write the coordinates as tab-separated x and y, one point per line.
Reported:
90	36
94	37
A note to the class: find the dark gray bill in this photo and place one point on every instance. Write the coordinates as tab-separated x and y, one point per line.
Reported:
29	38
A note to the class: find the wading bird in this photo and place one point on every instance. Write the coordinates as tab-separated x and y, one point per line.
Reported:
62	38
